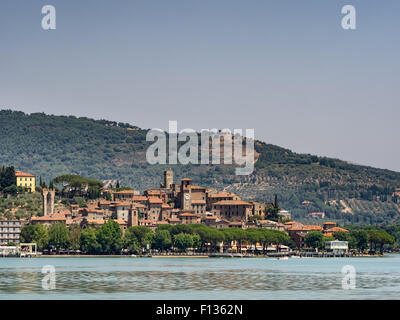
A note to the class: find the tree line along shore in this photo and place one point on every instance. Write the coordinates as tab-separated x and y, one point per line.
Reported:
108	239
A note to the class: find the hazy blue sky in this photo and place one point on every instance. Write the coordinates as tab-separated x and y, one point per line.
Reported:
285	68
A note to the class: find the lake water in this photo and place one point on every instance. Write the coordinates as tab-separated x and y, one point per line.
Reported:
201	278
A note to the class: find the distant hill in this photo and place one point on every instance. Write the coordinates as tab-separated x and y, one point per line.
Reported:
48	146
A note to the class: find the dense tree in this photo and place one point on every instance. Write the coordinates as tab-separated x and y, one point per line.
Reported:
162	239
59	236
148	240
89	242
183	241
131	242
76	185
254	236
140	233
7	177
379	237
109	236
361	239
75	236
35	234
314	239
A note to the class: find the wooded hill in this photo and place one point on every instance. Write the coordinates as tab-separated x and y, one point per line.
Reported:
49	146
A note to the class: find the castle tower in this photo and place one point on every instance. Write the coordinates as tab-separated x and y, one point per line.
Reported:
168	179
48	196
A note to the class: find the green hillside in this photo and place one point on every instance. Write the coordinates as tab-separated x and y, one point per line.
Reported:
49	146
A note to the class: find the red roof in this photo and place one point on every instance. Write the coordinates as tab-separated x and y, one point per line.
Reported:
155	200
232	203
145	221
198	201
23	174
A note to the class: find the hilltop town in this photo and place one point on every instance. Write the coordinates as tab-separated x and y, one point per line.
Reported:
170	204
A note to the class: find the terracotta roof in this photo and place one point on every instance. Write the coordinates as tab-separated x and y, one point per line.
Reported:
232	203
139	198
186	179
145	221
94	210
138	205
165	206
161	222
331	223
125	192
198	201
188	214
312	227
95	221
222	194
197	187
101	221
121	221
210	218
155	191
23	174
317	213
173	219
155	200
336	229
121	204
49	218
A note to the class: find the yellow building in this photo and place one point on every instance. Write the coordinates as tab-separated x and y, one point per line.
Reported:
25	180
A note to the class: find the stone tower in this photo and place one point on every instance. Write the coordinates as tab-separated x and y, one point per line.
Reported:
168	179
133	217
186	194
48	196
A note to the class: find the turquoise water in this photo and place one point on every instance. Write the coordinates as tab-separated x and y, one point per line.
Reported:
184	278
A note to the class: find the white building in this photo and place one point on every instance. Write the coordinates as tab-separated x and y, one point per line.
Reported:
336	246
10	231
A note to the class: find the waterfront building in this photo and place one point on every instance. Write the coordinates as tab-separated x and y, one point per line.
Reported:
10	231
337	247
